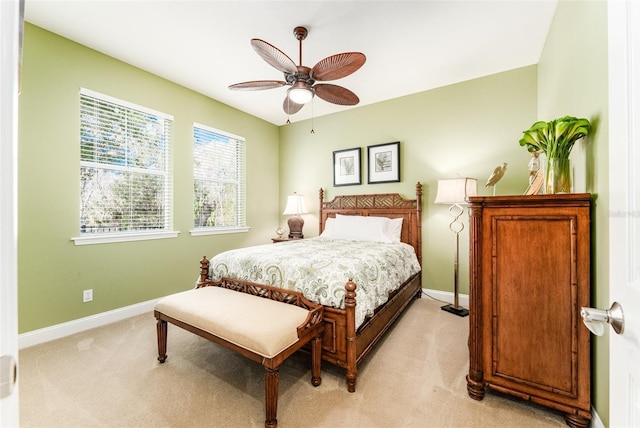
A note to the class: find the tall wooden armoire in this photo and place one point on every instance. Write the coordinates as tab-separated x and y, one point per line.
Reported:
529	278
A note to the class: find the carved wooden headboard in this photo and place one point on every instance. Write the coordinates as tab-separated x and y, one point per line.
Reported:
390	205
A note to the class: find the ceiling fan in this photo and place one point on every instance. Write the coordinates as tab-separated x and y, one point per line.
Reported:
303	79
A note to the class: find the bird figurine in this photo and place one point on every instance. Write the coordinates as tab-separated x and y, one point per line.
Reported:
495	176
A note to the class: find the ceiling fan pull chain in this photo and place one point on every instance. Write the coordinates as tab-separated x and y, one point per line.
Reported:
288	121
312	131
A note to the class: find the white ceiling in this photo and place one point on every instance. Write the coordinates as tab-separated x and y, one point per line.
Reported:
411	46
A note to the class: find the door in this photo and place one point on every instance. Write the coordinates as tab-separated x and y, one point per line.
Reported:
9	54
624	209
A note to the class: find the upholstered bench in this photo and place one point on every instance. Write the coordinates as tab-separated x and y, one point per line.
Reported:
265	324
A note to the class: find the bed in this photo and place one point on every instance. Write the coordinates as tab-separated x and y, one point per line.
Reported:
357	312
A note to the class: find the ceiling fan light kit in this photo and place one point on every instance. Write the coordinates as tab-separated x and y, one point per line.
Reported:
301	79
300	93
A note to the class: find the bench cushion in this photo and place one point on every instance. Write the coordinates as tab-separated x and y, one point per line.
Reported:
265	327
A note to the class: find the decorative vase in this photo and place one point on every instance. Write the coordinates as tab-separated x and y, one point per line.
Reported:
558	176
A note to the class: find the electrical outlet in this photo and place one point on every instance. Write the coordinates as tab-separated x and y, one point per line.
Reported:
87	295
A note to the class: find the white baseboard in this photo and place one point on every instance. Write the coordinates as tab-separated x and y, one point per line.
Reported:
58	331
446	296
596	422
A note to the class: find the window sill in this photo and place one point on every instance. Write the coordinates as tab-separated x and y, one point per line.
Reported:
218	231
123	237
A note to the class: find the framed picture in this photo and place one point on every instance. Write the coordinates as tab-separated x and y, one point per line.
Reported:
346	167
384	163
536	184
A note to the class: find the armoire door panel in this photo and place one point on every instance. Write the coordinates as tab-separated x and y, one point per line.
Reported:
524	285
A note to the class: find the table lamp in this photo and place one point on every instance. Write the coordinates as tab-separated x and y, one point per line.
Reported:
295	207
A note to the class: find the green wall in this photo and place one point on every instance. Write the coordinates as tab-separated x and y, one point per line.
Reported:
52	271
573	79
466	129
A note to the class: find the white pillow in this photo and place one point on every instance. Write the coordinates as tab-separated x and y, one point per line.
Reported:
359	229
330	229
394	229
368	228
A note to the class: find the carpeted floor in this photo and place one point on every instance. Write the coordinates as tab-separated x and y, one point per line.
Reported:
109	377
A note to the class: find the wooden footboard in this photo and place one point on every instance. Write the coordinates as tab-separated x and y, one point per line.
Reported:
345	347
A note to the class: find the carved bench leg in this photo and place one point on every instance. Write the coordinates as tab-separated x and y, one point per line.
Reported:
271	383
316	360
161	326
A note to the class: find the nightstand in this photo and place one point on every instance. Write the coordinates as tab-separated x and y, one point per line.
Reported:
284	239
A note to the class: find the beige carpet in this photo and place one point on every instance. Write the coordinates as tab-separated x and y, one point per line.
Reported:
109	377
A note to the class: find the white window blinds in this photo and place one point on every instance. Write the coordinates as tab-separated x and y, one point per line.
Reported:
125	166
219	179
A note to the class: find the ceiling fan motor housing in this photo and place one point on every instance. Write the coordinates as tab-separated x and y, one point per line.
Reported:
300	33
303	75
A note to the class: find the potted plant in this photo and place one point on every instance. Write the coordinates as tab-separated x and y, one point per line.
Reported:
556	139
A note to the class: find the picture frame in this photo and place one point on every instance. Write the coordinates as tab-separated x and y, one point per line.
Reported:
346	167
536	184
383	163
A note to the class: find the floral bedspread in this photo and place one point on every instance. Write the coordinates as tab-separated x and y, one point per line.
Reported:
319	268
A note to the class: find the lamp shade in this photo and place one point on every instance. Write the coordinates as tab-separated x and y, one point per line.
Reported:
295	205
456	190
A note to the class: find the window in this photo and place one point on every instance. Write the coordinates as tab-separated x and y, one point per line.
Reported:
218	181
125	167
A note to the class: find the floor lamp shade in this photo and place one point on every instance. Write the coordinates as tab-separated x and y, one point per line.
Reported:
455	192
295	207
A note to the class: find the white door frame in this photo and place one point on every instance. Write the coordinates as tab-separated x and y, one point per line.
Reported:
9	59
624	209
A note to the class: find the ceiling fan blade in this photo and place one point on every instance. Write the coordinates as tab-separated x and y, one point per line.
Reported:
257	85
336	94
274	56
290	107
338	66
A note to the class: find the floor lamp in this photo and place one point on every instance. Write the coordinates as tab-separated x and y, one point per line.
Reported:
454	192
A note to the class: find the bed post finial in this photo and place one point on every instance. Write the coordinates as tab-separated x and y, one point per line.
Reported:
204	269
321	194
419	222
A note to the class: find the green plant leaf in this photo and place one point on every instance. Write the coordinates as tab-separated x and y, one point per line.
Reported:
556	137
